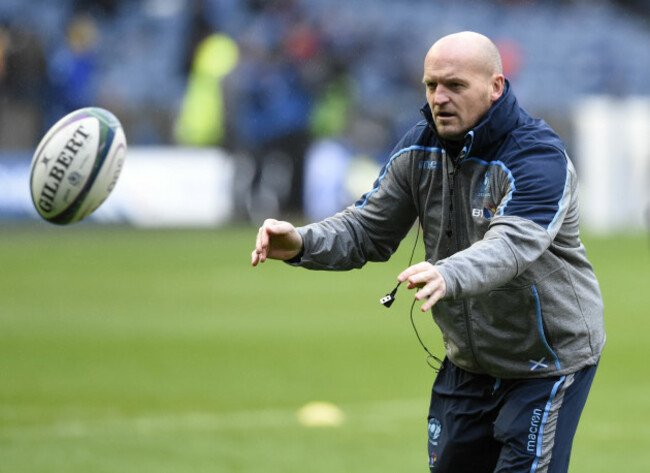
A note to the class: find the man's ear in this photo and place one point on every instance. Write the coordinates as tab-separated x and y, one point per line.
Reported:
498	85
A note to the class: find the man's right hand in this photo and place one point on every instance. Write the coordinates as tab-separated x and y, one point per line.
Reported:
276	240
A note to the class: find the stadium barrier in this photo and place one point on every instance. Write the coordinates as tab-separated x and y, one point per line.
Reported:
158	187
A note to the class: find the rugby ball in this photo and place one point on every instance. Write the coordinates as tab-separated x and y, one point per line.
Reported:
76	165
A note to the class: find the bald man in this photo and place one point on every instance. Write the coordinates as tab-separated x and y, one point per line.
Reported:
505	274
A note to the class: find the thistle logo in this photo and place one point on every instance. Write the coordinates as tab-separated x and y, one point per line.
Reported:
435	428
484	190
434	431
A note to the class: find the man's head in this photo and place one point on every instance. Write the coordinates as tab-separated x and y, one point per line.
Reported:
463	77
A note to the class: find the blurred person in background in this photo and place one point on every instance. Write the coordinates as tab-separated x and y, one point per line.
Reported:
72	68
202	121
506	275
269	98
22	82
212	56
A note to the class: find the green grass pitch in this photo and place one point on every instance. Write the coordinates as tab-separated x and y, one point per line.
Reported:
126	350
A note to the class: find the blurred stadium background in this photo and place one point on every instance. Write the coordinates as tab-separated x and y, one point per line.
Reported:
302	98
140	340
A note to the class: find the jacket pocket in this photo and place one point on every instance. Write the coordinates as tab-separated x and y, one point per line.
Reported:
510	333
563	318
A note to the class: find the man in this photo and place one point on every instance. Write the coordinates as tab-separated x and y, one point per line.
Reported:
511	289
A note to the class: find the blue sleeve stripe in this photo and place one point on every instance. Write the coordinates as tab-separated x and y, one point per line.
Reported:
361	203
512	185
560	208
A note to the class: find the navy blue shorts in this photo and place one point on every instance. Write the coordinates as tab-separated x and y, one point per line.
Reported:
479	424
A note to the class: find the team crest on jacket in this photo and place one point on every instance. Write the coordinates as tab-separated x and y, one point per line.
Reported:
483	208
484	189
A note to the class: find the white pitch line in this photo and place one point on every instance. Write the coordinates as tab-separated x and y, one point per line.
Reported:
373	415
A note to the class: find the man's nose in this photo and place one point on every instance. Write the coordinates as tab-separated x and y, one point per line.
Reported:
440	96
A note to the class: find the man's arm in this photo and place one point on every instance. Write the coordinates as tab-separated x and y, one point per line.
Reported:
369	230
517	236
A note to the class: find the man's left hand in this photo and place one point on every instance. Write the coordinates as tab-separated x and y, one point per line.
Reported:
428	279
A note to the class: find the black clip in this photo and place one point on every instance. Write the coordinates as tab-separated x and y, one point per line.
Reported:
388	299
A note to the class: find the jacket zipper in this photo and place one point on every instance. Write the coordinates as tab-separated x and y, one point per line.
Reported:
451	185
451	232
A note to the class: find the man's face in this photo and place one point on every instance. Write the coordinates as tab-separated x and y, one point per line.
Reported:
458	91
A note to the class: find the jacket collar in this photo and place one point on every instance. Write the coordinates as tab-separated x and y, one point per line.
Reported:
500	120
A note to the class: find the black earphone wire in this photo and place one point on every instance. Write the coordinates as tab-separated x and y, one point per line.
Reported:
388	300
430	356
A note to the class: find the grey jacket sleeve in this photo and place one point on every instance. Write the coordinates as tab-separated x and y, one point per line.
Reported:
510	245
513	243
370	230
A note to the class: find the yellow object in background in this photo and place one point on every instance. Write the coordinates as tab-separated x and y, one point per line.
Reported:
201	119
320	414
